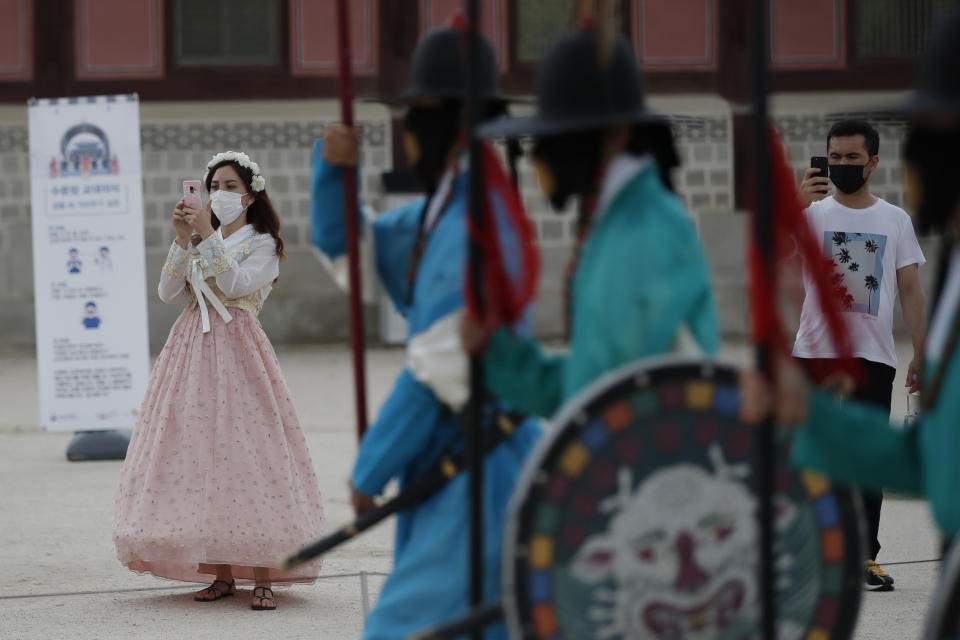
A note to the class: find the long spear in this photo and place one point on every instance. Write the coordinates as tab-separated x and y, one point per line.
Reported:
474	445
446	469
763	231
357	332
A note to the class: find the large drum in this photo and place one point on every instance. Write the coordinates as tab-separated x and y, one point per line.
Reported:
637	518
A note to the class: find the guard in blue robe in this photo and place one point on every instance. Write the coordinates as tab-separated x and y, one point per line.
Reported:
420	252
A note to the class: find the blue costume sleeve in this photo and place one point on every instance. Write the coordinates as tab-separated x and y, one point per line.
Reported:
401	432
394	234
327	205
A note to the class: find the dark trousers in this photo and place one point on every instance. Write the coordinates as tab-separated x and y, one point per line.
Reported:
875	388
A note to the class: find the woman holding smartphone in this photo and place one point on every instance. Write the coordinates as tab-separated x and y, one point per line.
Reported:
217	480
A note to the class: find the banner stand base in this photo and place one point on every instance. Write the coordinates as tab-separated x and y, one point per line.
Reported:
98	445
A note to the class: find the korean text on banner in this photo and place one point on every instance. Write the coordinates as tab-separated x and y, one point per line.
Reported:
88	261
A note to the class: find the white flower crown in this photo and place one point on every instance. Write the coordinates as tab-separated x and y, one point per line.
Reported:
242	159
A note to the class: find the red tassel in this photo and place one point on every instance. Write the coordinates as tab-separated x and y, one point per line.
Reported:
511	261
790	226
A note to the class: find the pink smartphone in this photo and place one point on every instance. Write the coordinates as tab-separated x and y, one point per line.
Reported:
191	194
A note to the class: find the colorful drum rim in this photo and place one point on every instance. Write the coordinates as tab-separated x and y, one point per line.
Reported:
707	385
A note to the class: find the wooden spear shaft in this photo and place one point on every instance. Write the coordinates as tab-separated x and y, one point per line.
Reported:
475	407
357	331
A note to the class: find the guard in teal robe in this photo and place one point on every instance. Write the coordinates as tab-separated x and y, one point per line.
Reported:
641	283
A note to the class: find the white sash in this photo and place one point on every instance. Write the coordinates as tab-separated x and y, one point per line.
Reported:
201	289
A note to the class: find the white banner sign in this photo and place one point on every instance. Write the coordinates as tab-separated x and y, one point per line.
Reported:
88	261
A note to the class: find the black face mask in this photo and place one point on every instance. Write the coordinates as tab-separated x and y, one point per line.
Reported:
571	160
848	178
435	130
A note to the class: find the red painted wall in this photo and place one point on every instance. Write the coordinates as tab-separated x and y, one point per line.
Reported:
118	38
313	37
808	35
16	40
676	35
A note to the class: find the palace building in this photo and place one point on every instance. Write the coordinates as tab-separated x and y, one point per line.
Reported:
260	75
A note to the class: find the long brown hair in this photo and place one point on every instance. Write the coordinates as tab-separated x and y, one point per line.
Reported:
260	213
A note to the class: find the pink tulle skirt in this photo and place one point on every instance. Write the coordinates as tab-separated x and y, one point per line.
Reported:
217	471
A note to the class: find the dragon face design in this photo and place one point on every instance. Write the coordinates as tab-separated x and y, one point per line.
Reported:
682	551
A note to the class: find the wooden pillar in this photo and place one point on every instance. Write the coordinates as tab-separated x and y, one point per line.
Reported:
53	47
399	30
734	86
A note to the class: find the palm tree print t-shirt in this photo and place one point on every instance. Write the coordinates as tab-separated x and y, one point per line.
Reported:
867	247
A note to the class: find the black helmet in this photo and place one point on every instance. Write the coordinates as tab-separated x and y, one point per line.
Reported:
437	69
574	93
937	88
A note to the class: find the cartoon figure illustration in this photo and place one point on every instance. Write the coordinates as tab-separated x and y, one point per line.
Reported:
103	260
74	264
53	167
114	165
91	320
681	551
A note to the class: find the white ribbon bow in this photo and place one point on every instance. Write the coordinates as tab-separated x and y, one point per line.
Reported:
201	289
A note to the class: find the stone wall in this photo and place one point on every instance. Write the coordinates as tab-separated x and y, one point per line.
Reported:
178	139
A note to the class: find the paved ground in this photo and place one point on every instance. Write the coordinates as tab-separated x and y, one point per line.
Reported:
59	577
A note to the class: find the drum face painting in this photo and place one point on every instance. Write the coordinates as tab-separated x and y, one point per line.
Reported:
636	518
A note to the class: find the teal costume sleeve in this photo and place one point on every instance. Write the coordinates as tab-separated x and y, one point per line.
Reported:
518	371
855	444
404	427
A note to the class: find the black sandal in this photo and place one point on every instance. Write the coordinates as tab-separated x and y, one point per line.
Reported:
263	596
217	594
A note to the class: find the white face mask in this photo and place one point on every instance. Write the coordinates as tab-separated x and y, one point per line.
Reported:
227	205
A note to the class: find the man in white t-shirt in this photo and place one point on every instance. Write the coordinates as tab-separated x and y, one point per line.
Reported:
875	253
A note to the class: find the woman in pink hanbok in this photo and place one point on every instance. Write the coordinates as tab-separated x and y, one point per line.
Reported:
217	480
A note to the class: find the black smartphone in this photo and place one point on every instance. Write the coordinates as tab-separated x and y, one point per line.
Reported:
821	162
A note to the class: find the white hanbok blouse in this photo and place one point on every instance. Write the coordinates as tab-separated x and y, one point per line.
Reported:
237	271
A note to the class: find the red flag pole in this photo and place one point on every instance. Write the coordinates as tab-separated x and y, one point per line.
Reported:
357	334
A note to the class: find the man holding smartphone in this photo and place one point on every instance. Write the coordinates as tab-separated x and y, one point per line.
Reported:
869	241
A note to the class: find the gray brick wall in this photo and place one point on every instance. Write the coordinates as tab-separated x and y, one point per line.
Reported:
304	305
177	141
